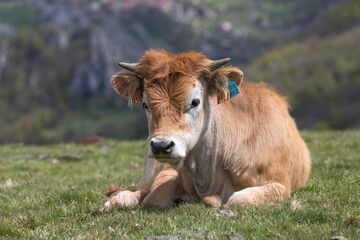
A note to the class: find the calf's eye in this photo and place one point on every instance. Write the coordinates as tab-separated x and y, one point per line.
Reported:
145	106
195	103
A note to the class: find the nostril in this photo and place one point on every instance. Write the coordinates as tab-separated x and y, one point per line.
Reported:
152	144
170	146
155	147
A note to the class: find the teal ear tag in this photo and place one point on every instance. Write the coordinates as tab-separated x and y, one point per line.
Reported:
233	88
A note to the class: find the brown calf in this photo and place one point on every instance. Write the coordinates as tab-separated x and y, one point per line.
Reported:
201	145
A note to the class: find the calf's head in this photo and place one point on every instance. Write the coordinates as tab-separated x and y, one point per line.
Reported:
178	93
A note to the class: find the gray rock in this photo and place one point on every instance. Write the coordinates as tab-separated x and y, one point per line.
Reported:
3	57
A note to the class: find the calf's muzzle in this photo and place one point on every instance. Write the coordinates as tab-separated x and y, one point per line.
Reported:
161	146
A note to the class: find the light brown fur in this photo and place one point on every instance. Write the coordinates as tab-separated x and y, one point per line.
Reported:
249	150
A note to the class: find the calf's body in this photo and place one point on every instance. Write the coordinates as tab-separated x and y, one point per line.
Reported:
244	151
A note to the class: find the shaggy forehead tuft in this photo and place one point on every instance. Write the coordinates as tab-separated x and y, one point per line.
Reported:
169	78
157	64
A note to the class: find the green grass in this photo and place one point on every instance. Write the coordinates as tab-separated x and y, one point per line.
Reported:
61	198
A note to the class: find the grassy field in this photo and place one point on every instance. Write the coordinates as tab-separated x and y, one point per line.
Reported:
56	191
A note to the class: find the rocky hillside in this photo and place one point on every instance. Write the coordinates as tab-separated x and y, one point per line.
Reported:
56	58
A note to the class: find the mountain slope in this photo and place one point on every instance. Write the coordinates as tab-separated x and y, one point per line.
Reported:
57	58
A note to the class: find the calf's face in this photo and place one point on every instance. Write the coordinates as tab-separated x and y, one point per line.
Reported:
175	114
177	102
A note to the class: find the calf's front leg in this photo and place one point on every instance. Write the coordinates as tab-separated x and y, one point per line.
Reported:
266	194
163	190
132	198
171	185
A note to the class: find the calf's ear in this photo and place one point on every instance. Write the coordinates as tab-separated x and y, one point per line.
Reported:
220	79
128	85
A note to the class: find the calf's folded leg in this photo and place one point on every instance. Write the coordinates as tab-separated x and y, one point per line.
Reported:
124	198
266	194
164	190
213	201
132	198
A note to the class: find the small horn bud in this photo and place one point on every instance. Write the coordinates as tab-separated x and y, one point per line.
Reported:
218	63
128	66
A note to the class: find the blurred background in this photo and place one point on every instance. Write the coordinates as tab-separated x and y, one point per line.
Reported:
57	57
